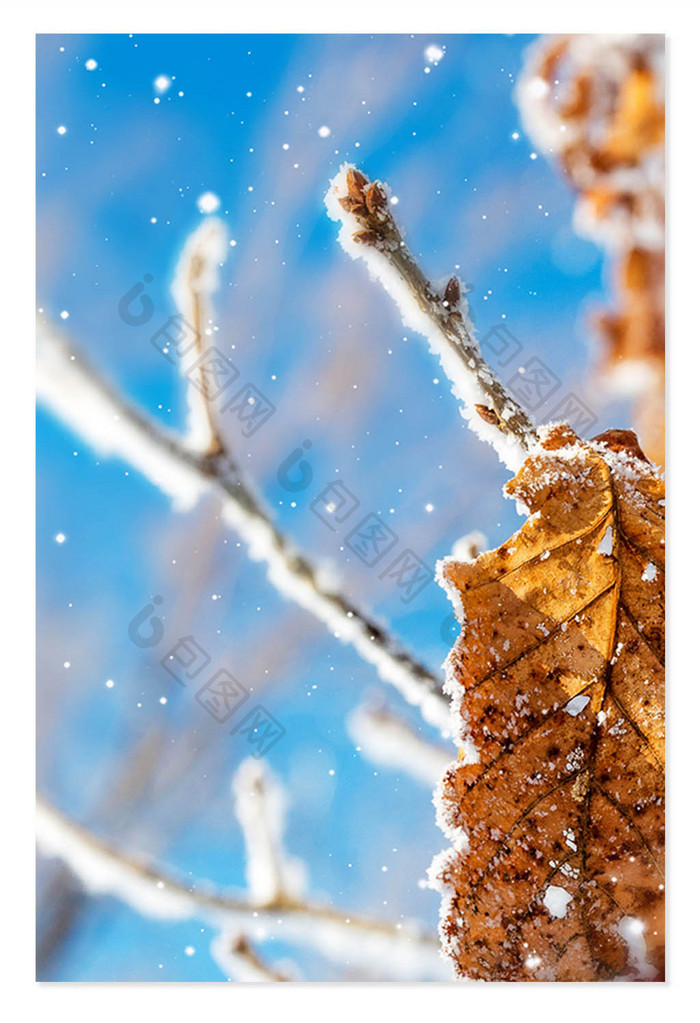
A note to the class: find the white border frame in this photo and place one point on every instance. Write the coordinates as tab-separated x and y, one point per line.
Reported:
183	1001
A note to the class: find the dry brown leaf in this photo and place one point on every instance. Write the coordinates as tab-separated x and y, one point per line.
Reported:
557	867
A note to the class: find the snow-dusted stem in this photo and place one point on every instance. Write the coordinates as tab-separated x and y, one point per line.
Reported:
103	869
196	278
75	393
369	231
259	802
215	445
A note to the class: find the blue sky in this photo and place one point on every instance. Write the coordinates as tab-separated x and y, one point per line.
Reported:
117	195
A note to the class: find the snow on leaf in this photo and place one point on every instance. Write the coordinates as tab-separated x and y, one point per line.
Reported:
560	802
556	900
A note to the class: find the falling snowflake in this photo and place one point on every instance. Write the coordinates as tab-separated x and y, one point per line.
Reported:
433	54
209	202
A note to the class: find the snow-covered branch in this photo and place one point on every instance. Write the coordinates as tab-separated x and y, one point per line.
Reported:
369	231
402	950
238	960
389	741
259	801
196	279
106	420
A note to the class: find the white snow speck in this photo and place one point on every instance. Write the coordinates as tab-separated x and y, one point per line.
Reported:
209	202
649	573
433	53
91	64
605	545
576	705
631	930
162	83
61	129
324	131
556	900
60	538
64	314
538	87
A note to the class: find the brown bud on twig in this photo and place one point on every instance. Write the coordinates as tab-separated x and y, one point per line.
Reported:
366	237
357	183
352	205
375	198
488	415
452	291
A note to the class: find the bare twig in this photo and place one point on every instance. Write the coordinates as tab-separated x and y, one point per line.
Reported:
103	869
369	231
90	407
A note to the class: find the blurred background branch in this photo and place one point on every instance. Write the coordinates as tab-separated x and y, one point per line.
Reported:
74	392
237	958
274	905
390	741
596	105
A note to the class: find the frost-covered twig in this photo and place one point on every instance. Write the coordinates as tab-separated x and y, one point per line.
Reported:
239	961
388	740
91	408
402	950
195	281
259	800
368	230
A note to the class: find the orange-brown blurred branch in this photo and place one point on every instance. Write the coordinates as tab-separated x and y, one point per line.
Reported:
596	103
